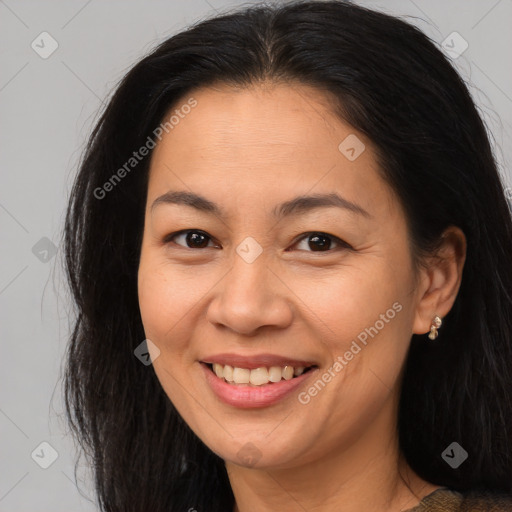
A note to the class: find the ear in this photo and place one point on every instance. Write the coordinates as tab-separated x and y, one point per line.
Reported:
440	281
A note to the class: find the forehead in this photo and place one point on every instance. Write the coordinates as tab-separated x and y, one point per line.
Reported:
269	120
260	141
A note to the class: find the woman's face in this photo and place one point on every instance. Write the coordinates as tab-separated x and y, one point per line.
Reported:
260	280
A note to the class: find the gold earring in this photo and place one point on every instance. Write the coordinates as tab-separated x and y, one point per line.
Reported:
436	323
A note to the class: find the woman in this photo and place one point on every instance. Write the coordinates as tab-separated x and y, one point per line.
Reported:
295	215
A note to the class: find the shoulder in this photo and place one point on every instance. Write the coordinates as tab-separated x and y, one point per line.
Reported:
487	501
441	500
450	500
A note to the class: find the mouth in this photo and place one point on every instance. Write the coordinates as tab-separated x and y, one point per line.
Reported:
255	387
257	377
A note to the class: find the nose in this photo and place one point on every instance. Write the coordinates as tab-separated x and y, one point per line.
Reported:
249	297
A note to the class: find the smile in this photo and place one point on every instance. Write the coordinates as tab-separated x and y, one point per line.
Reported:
254	387
257	376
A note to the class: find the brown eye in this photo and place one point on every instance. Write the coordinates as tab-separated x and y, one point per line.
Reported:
322	242
319	242
193	238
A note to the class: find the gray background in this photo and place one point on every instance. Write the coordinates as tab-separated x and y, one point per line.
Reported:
47	108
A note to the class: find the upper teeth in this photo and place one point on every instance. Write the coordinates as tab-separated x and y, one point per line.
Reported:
256	376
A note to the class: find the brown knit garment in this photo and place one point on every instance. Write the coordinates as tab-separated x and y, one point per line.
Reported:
447	500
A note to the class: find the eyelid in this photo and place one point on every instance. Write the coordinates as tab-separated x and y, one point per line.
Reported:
341	243
168	238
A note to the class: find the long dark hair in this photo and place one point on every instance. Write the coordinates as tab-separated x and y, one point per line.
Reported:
389	81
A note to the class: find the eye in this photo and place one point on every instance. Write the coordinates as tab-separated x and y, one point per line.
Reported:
321	242
193	238
317	241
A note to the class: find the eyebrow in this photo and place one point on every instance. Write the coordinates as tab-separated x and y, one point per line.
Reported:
296	206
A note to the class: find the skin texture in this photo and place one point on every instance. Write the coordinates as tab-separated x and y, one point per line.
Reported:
248	150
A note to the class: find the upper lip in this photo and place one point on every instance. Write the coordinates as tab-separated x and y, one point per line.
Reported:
256	361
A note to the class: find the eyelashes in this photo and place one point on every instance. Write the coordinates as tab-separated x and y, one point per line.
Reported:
185	232
200	240
320	237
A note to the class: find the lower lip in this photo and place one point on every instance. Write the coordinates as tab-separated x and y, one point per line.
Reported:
247	397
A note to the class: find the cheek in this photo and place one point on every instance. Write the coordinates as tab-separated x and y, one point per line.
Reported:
349	300
154	297
170	298
162	300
